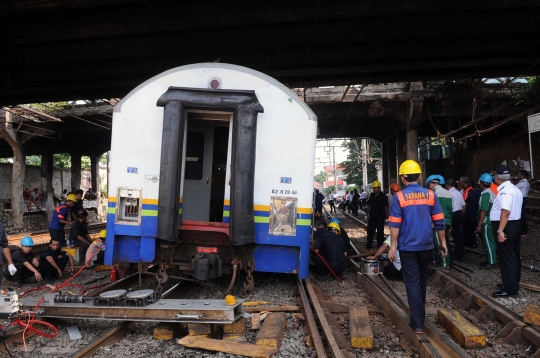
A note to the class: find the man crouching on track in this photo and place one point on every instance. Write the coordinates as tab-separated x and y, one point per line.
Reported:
411	216
53	261
25	263
330	252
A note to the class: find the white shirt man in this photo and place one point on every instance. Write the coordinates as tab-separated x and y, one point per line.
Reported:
509	198
523	186
458	202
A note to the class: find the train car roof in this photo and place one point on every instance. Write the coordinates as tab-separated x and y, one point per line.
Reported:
228	66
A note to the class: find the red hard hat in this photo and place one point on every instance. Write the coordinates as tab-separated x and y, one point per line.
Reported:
395	187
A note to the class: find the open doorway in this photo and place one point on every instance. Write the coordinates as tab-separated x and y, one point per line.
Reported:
206	164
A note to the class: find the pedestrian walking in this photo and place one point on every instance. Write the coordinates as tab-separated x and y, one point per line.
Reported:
457	220
355	202
414	211
505	219
484	227
331	202
435	183
523	186
377	215
363	199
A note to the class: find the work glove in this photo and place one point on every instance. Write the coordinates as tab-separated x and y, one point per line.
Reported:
12	269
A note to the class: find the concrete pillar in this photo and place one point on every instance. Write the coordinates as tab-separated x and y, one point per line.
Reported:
75	171
416	104
391	160
412	144
19	168
94	173
47	180
385	167
401	150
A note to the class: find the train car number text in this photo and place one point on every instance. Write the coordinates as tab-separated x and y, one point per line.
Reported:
286	192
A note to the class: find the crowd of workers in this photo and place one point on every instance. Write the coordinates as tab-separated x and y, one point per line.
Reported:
24	267
420	220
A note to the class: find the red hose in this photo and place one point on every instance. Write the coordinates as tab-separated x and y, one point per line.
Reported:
328	267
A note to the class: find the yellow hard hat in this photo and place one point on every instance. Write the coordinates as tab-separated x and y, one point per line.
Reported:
71	197
409	167
103	234
334	225
376	184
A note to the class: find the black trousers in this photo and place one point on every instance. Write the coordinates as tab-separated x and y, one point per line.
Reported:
22	272
375	224
469	231
391	270
332	206
48	271
363	203
509	253
355	208
457	233
415	270
523	217
320	268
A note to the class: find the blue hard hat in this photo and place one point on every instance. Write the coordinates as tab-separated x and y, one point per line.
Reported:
486	178
434	177
441	179
335	220
27	241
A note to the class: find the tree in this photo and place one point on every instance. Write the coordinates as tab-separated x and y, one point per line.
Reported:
329	189
353	165
321	177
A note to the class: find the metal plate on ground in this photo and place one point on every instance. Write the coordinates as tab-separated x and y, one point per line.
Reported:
140	294
164	310
113	294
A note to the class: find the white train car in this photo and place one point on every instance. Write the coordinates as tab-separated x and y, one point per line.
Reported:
212	165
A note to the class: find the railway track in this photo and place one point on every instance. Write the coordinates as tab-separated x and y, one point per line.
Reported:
480	310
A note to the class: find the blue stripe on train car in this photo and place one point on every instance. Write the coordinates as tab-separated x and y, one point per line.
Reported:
130	243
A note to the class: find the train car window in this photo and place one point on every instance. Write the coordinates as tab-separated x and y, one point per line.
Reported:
194	156
282	216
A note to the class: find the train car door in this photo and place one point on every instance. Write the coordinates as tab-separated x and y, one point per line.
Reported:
205	167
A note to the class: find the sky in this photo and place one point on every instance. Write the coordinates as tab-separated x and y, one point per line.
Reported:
324	158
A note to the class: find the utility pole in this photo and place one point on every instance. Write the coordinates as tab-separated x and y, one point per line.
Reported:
365	153
335	170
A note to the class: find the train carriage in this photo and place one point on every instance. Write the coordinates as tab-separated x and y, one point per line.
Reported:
212	165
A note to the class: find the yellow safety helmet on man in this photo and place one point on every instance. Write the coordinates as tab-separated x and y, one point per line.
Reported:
409	167
72	197
376	184
334	225
103	234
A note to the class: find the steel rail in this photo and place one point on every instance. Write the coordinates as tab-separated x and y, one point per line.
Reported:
312	324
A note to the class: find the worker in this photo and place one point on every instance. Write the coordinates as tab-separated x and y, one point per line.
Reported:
355	202
330	253
78	205
393	268
78	234
377	214
414	211
394	188
471	217
523	186
60	219
321	229
483	226
342	233
7	253
466	187
363	199
25	263
318	203
435	183
457	220
331	202
53	261
505	219
98	245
